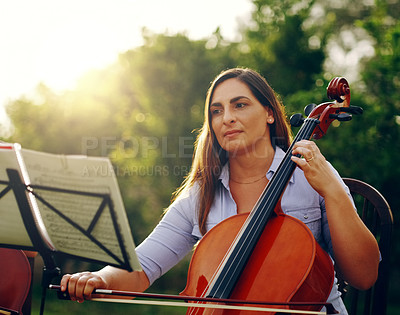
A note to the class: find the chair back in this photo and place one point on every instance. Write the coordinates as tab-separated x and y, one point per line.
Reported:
377	216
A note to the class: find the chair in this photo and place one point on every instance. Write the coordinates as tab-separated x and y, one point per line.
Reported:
377	216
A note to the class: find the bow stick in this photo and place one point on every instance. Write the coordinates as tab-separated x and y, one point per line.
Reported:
330	309
213	306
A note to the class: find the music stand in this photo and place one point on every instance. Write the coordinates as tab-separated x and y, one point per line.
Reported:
23	194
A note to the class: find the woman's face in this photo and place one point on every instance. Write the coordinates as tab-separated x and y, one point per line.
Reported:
238	119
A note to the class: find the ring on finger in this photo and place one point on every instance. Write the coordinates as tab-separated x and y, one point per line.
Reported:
310	159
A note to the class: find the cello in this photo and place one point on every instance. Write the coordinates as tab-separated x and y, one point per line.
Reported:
15	280
267	255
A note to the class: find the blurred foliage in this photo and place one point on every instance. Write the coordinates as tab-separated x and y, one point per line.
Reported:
279	45
143	111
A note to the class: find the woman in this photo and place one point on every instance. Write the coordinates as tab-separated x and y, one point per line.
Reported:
242	141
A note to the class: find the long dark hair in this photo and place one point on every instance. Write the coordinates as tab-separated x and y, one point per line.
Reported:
209	157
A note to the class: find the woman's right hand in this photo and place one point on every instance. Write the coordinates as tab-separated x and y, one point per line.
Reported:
81	285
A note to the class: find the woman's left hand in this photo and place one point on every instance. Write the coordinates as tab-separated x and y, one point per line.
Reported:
316	169
354	247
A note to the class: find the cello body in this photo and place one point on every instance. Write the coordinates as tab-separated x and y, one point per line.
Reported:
304	274
15	279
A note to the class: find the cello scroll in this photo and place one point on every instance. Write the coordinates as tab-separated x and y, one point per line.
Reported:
339	91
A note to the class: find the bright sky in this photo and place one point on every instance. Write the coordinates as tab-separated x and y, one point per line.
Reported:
56	41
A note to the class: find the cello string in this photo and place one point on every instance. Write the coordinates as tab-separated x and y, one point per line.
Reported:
286	166
245	242
304	133
221	265
223	262
233	246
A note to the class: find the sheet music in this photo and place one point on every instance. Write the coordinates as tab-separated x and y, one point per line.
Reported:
85	174
12	228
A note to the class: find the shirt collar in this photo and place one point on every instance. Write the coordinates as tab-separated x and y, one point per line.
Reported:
279	154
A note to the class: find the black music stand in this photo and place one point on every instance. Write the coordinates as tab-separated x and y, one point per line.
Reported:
50	269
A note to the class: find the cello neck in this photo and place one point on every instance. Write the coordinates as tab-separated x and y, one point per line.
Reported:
244	244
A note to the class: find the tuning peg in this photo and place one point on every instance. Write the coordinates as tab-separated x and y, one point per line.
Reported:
309	108
341	116
296	120
355	110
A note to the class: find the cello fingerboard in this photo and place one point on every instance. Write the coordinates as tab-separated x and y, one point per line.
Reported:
236	259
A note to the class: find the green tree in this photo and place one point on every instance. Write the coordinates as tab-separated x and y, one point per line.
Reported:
63	123
382	79
366	148
281	45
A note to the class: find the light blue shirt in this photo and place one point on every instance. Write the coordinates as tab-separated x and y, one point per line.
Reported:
178	231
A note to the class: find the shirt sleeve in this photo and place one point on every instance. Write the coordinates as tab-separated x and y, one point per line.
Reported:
171	239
